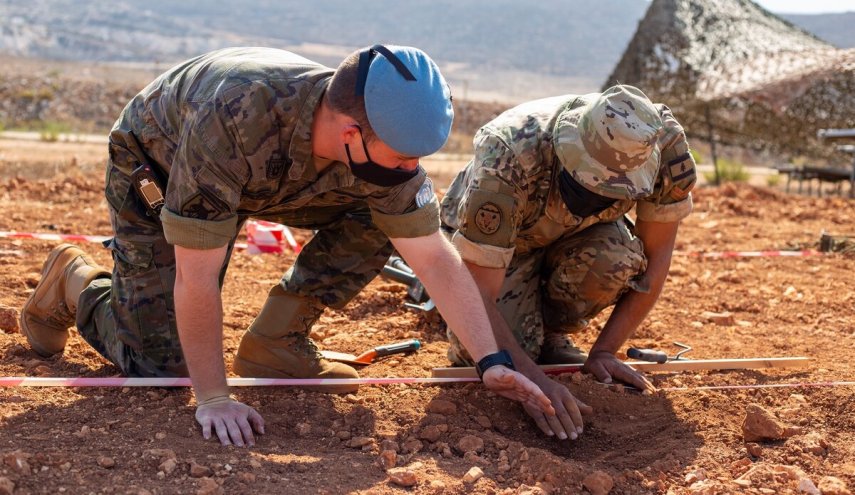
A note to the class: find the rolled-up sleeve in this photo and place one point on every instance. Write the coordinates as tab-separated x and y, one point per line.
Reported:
205	182
671	200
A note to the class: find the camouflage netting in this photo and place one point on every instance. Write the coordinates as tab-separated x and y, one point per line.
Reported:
767	84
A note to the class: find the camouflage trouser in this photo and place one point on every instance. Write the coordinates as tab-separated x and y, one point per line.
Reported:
130	320
560	287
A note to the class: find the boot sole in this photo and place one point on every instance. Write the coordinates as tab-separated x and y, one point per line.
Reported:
248	369
25	329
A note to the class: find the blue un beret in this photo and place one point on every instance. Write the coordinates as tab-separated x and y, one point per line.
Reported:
408	108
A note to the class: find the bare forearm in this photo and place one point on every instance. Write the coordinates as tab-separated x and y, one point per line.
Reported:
459	303
198	311
628	314
632	308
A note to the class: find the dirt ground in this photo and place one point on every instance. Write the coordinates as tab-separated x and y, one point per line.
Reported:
145	441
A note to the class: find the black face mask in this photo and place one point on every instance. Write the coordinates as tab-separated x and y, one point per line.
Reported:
376	174
580	201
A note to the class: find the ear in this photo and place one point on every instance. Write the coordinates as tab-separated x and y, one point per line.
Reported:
349	133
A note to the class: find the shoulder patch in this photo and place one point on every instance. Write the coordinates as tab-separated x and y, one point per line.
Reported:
488	218
425	194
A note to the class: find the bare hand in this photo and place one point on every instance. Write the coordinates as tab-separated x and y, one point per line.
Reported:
233	421
567	422
605	367
513	385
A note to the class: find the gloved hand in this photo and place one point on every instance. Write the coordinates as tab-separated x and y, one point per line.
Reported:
233	421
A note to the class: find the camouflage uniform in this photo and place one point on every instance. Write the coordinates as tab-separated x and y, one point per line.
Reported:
230	133
505	210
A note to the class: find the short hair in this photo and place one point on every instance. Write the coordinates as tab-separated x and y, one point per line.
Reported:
342	98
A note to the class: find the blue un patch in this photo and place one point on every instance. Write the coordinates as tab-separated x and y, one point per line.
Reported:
425	194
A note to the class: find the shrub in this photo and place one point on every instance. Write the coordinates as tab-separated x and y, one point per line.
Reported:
728	171
773	180
697	155
50	130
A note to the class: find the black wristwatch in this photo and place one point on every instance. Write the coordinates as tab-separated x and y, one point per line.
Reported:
501	358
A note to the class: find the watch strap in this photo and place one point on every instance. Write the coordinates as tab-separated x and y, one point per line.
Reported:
501	358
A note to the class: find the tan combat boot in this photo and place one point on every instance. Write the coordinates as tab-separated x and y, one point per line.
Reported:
51	309
558	348
277	344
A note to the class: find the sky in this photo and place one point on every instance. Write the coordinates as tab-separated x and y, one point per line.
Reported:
807	6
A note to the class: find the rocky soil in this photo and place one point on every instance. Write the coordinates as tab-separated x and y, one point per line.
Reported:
461	438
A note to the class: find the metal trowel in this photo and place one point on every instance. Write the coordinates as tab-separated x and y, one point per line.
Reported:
371	355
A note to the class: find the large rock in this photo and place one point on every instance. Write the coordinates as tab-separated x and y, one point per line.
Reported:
598	483
760	424
830	485
8	319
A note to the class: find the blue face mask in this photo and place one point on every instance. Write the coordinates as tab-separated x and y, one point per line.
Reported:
580	201
377	174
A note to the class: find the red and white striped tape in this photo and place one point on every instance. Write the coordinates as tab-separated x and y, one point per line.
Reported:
44	236
29	381
38	381
748	254
262	237
267	237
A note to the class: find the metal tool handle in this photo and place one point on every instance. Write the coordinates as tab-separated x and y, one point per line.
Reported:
405	346
649	355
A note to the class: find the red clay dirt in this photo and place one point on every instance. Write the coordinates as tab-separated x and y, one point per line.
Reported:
145	441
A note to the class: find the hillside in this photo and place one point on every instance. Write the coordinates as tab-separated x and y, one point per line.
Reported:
501	49
833	28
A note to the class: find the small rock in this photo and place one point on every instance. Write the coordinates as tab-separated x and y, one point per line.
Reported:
724	319
744	483
754	449
807	486
6	486
470	443
168	466
792	431
303	429
473	458
402	477
254	464
160	435
444	407
106	462
598	483
695	476
814	443
390	445
199	471
437	486
760	424
829	485
343	435
161	453
431	433
8	319
388	459
412	445
248	478
359	442
474	474
207	486
484	421
18	462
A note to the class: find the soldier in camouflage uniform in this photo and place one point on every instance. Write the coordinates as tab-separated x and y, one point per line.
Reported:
263	133
539	216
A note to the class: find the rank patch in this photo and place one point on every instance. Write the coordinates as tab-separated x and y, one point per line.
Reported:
488	218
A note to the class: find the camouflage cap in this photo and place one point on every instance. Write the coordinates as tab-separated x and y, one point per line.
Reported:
610	145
